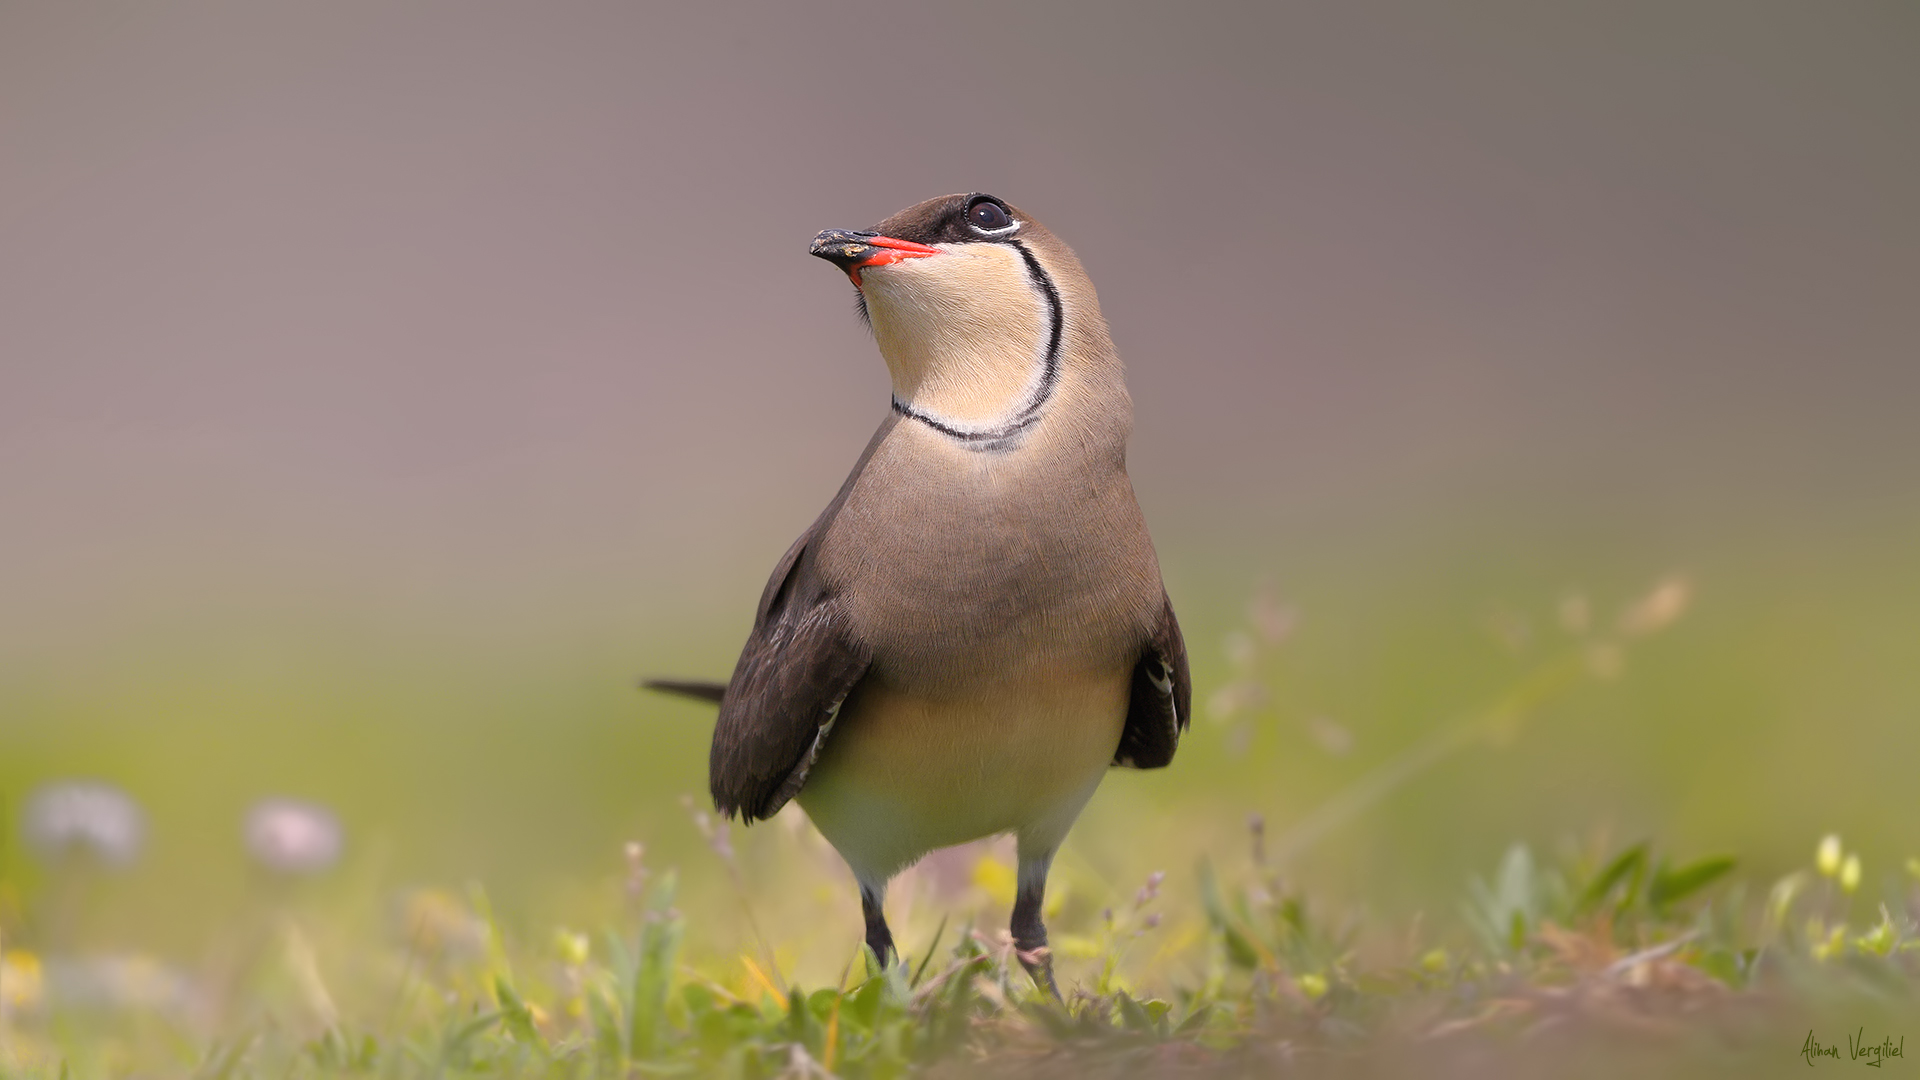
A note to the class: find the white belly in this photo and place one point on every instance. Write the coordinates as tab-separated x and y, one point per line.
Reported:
902	775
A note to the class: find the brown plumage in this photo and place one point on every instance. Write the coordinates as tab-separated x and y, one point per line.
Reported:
974	629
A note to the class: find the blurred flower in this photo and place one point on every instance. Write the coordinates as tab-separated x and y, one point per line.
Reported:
1827	857
1332	737
1575	613
1241	649
573	947
21	987
1604	661
1150	890
1235	698
1512	629
1273	620
995	878
1239	737
127	981
288	836
1881	939
1654	611
713	830
438	924
86	817
1826	944
948	873
636	853
1850	874
1314	987
1780	900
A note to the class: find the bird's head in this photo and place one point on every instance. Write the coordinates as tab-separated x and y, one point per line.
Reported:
976	307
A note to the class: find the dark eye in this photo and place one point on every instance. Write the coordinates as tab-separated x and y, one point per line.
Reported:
988	215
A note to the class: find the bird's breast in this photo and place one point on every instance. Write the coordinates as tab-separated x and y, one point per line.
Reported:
963	570
904	773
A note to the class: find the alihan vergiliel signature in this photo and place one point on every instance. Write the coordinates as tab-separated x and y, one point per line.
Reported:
1858	1049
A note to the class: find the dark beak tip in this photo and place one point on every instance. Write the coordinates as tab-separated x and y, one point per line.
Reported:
836	241
841	247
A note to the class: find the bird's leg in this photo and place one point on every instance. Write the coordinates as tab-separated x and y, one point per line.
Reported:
1029	933
879	938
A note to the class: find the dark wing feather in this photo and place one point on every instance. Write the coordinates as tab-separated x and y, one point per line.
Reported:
691	688
798	666
800	662
1162	701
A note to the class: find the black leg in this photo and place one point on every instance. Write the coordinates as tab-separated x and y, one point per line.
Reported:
1029	933
879	938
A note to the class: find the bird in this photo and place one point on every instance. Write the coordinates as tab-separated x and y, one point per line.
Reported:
975	628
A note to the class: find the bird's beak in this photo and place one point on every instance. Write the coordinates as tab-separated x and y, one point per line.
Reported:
850	250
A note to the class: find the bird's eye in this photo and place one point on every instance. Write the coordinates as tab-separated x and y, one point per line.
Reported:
988	215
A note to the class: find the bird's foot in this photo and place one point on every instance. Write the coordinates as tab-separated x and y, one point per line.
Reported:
1039	965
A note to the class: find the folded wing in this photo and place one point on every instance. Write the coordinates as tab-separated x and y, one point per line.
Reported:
799	664
1161	704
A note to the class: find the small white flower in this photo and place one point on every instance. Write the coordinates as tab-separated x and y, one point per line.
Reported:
84	817
289	836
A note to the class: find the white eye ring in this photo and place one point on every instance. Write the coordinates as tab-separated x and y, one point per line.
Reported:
1003	230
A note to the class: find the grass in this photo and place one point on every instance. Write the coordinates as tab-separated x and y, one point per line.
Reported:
1647	957
1588	956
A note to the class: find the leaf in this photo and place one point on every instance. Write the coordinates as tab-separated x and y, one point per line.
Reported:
1241	952
1724	965
700	1000
799	1018
1195	1021
821	1002
454	1052
1670	885
920	971
516	1015
1629	866
219	1064
653	974
1515	891
606	1024
1051	1017
863	1005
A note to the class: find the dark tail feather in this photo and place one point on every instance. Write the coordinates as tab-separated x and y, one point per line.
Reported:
699	691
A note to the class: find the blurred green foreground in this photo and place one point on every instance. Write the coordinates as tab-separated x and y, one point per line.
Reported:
1446	790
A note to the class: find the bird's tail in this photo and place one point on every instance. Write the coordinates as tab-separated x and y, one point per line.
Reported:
699	691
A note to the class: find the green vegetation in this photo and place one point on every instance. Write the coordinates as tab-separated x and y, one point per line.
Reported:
1191	937
1628	948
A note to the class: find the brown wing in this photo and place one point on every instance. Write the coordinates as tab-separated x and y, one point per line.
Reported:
800	662
1162	701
